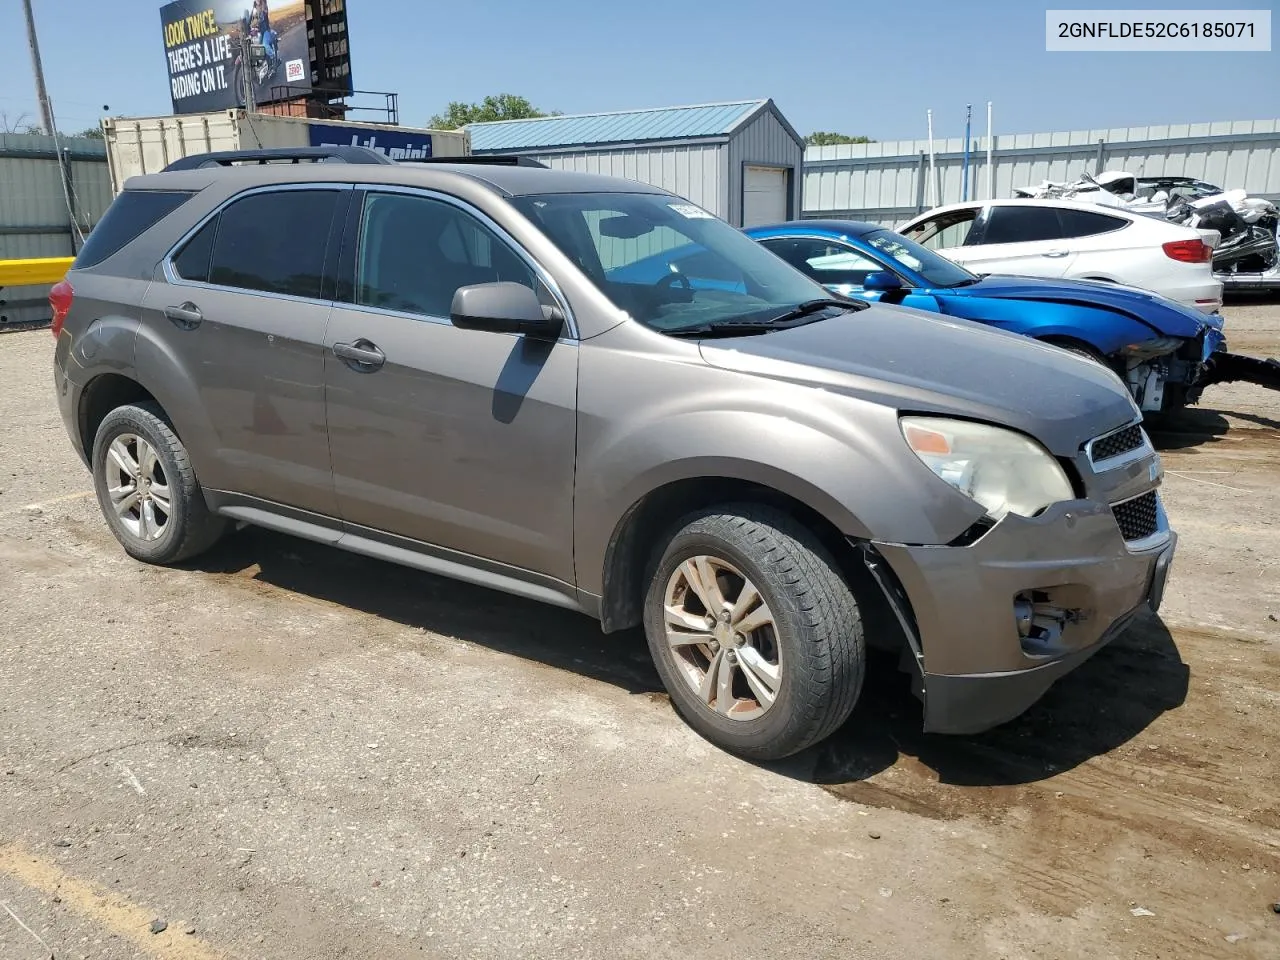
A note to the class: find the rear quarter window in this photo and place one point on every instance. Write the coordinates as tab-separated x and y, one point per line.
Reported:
132	214
1086	223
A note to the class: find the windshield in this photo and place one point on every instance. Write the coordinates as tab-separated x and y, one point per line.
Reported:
936	270
668	263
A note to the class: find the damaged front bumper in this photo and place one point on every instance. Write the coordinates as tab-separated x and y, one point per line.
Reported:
992	625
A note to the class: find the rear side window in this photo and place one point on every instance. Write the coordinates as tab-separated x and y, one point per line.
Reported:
192	263
273	242
1022	225
1086	223
132	214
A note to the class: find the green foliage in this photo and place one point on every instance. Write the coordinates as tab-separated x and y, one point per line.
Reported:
821	138
504	106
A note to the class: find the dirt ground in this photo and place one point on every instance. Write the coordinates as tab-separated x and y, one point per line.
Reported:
288	752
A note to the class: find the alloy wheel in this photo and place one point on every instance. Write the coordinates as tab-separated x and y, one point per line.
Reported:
137	487
723	637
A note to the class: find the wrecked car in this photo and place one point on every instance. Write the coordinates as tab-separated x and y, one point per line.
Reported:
1159	348
1247	255
1077	241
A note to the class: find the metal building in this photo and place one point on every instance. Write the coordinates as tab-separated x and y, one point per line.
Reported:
888	182
740	160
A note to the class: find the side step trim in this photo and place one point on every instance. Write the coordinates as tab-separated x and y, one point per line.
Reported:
404	552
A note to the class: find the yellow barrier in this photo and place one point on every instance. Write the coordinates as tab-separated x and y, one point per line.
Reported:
25	273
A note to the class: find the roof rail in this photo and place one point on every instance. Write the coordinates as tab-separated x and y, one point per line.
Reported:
226	158
496	161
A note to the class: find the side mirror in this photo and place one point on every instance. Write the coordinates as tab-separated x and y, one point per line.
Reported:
504	308
882	280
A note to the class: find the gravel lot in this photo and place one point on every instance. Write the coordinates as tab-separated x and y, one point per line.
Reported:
288	752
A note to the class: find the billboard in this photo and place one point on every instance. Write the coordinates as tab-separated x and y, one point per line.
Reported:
396	144
215	50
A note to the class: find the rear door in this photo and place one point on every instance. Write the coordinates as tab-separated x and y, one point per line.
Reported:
242	318
1020	240
461	439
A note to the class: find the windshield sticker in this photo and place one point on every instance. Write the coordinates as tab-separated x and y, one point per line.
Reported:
691	211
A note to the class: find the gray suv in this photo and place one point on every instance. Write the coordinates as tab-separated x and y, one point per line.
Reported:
592	393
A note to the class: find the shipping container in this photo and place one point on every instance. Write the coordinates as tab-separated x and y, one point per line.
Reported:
138	145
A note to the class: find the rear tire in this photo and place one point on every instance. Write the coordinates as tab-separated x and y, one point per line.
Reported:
148	491
783	664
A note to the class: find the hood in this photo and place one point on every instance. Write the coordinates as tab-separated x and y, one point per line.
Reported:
922	363
1166	317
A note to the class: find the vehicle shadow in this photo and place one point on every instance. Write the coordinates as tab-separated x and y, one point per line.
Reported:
1104	703
1187	427
1109	700
523	628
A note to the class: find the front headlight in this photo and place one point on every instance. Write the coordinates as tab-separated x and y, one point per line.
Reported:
1000	469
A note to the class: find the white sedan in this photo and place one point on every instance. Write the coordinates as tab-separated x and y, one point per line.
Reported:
1073	240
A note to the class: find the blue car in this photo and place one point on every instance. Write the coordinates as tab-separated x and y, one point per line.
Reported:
1158	347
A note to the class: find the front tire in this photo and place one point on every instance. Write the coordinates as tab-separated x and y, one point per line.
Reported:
147	489
754	631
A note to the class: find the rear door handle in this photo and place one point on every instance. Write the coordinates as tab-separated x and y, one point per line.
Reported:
187	316
1055	252
362	355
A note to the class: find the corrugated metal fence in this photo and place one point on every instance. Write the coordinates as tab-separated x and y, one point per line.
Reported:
38	218
886	182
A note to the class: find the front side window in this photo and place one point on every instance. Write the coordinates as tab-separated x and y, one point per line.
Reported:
1022	225
274	242
945	231
668	263
415	252
934	269
830	263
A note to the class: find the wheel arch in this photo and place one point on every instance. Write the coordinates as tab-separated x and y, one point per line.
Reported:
104	393
639	534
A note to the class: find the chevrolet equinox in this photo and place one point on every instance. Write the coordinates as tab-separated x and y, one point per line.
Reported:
455	366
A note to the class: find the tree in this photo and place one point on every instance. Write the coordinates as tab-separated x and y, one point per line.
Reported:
22	124
504	106
91	133
821	138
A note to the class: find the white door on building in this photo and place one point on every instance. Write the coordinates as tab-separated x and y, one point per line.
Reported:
764	195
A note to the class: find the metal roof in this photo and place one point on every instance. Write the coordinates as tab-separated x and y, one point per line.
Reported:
666	123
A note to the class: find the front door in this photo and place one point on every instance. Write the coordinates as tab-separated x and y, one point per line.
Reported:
462	439
243	317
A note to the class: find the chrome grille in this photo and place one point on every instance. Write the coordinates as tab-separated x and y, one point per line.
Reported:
1116	444
1138	518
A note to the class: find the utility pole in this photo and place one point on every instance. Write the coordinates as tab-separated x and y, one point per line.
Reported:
46	109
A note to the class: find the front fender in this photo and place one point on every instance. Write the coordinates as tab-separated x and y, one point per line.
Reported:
1106	331
841	457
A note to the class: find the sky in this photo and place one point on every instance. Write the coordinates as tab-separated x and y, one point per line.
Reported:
870	68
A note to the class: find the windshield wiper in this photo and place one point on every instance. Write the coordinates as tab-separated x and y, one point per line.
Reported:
813	306
748	325
725	328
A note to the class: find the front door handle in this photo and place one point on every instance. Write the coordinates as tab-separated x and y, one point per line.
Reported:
187	316
1055	252
361	355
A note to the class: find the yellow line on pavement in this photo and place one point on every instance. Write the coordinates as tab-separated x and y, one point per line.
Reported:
109	910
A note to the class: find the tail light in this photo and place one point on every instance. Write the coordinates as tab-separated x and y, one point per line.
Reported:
1188	251
60	298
